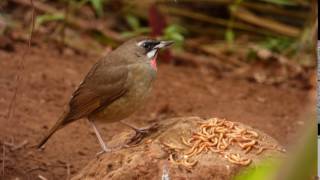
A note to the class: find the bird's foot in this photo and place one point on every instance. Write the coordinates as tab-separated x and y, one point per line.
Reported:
104	150
141	133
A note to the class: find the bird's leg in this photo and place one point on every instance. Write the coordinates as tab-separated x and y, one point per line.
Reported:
102	144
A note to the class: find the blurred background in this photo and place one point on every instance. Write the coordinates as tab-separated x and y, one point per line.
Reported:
251	61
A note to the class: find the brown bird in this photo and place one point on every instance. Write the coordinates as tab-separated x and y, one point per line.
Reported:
115	87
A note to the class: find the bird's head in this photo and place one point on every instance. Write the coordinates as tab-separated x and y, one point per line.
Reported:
145	48
150	47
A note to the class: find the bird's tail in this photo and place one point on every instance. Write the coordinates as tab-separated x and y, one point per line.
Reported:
59	124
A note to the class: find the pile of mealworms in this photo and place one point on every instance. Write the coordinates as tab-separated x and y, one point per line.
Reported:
218	136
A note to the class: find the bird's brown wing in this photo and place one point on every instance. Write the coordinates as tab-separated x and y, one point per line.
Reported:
105	83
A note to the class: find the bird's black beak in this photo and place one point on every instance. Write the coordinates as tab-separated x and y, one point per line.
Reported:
163	44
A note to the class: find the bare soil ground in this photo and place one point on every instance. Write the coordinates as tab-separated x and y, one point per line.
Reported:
49	78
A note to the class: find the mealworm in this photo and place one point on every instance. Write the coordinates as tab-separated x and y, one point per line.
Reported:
245	145
248	149
214	150
193	148
200	149
188	164
204	139
185	142
260	150
172	146
253	133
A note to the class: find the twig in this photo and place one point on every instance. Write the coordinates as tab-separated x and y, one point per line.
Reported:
197	60
3	159
77	46
67	166
262	7
68	171
64	25
254	5
19	146
36	168
21	68
213	51
209	19
74	21
277	27
8	144
42	177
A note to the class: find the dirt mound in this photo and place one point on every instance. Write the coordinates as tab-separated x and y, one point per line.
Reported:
153	157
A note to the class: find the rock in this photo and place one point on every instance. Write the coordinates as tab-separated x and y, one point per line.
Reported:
150	158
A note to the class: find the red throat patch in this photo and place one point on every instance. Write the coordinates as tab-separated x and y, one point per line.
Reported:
153	63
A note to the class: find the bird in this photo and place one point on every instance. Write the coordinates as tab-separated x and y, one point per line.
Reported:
114	88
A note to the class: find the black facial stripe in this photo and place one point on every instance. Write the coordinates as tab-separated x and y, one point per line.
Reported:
149	45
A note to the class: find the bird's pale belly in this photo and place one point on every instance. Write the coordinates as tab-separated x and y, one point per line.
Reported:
121	108
127	104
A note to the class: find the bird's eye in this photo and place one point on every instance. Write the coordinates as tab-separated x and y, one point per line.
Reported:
146	45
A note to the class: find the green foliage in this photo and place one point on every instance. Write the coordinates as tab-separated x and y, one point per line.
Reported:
5	23
133	22
299	164
233	7
278	45
97	6
175	33
229	36
102	39
302	162
135	27
262	172
251	55
41	19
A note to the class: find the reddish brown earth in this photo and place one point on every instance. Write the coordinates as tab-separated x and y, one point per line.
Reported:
49	78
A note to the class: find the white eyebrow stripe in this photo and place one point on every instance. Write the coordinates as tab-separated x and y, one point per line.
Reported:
152	53
140	42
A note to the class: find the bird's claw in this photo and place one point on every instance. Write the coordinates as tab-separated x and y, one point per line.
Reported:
106	150
141	133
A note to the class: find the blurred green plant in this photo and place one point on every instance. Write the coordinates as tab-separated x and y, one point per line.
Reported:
278	44
5	23
102	39
175	33
41	19
135	27
133	22
172	32
97	6
251	55
263	171
299	164
229	34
